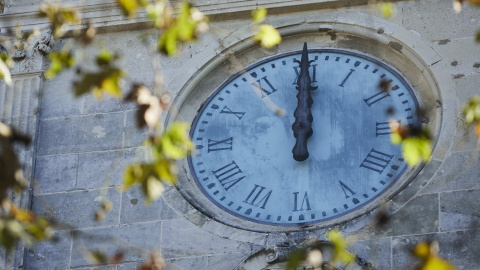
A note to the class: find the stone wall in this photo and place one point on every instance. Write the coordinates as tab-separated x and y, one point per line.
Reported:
82	146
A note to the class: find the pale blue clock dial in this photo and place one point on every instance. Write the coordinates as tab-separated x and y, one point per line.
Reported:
244	160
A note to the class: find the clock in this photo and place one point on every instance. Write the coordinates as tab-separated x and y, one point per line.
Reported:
244	163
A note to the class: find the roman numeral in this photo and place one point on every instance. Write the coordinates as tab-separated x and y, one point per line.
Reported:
375	98
257	197
376	161
228	175
305	202
264	91
346	78
345	188
228	111
297	73
226	144
383	128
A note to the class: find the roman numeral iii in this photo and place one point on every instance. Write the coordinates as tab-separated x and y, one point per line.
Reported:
229	175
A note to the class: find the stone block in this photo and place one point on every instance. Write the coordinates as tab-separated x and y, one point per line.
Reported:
421	16
135	210
103	267
459	171
53	254
459	61
77	208
456	211
134	237
55	174
93	105
100	169
180	238
377	252
80	134
58	100
134	137
420	215
460	248
465	138
466	86
417	184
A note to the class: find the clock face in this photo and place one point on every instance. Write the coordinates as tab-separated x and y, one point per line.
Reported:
244	161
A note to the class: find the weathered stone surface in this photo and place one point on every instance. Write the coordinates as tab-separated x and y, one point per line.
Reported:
459	61
420	16
465	139
456	211
420	215
52	255
58	100
103	267
134	137
461	248
55	174
99	169
143	236
135	210
464	85
214	262
180	238
77	208
459	171
419	182
81	134
377	252
93	105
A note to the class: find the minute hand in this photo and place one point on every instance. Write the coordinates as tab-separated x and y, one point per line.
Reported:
302	127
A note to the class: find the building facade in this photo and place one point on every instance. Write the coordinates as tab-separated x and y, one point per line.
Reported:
82	145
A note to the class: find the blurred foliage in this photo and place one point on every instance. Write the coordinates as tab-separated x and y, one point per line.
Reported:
186	27
106	80
59	61
415	141
60	18
428	254
340	243
312	253
5	63
386	9
174	144
130	7
471	112
266	35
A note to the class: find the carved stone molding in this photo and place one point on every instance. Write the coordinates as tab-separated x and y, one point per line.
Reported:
31	58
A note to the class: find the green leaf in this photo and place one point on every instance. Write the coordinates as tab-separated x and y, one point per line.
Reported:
477	37
416	149
296	258
258	15
267	36
340	247
59	61
129	7
166	171
60	18
471	110
107	81
105	57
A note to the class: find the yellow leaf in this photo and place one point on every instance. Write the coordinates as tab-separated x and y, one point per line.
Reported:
166	170
5	73
258	15
267	36
340	247
437	263
386	9
129	7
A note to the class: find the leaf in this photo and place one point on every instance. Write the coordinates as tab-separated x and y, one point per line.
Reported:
258	15
477	36
296	258
166	171
60	18
59	61
386	9
152	189
105	57
107	80
130	7
340	247
427	252
267	36
471	110
5	73
160	13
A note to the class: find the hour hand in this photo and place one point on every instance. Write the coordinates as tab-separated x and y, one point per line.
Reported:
302	127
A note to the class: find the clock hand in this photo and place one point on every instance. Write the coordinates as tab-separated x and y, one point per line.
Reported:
302	127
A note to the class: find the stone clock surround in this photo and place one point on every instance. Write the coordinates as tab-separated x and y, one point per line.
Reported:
445	189
384	40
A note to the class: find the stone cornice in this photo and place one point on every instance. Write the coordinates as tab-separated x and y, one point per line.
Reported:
105	14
